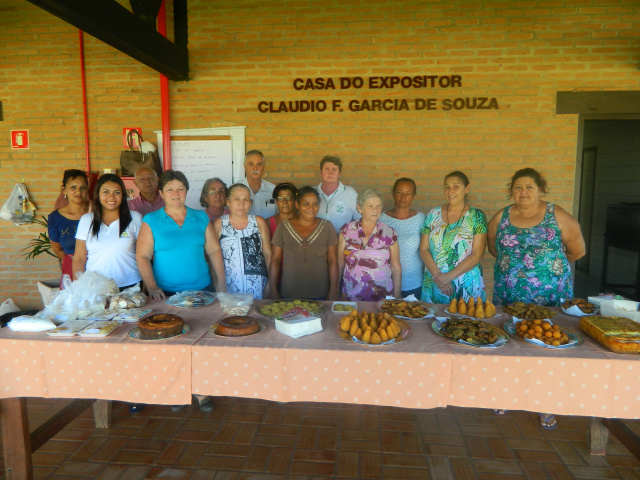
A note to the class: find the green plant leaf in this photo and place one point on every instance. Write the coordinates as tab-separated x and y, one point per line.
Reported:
41	244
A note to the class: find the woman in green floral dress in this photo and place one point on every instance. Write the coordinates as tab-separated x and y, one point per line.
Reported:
453	240
533	242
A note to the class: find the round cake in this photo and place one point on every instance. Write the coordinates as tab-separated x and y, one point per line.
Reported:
237	326
162	325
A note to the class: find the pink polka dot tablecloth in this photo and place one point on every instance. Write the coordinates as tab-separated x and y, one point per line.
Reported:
324	367
424	371
115	367
587	380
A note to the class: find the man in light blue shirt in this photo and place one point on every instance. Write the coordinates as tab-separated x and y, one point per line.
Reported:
262	203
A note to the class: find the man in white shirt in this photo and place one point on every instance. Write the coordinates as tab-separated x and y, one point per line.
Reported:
337	200
149	200
262	202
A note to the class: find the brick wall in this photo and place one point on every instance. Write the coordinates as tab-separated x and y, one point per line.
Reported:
244	52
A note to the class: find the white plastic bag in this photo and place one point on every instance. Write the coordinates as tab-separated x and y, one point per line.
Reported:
48	292
83	297
18	208
26	323
8	306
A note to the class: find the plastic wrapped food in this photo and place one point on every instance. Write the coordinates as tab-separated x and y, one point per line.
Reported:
81	298
235	303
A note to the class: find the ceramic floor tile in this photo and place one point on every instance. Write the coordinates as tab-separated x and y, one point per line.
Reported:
245	439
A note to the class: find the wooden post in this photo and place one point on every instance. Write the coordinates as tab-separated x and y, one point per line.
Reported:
16	439
598	437
627	437
102	413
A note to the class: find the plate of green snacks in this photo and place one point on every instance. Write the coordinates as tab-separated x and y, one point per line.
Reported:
277	308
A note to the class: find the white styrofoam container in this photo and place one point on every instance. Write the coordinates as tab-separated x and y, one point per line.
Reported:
620	308
343	312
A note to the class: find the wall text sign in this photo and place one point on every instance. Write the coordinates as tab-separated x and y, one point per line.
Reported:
383	104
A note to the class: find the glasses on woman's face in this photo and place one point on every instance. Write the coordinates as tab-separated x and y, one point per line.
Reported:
216	192
284	199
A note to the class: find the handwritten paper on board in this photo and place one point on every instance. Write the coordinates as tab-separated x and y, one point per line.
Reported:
200	158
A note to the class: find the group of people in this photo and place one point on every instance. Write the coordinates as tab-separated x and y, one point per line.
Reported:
323	242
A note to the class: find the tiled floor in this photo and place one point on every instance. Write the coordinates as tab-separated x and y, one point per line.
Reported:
256	440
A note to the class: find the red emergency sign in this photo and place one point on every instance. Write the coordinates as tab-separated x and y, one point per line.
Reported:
20	139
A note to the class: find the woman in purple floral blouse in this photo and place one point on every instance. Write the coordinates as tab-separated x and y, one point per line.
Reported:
368	254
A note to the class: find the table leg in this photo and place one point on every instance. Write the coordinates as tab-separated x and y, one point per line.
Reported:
16	438
627	437
598	437
102	413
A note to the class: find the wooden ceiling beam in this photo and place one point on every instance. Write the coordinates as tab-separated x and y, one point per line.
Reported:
113	24
598	102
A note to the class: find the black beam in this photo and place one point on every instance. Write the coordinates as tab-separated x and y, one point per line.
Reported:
146	10
180	23
115	25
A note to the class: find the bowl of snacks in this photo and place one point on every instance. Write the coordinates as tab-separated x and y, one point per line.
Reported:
543	333
470	332
343	308
373	329
578	307
277	308
407	310
528	311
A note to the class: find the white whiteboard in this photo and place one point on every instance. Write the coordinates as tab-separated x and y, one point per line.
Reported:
204	153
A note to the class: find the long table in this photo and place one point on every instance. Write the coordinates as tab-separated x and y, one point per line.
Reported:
424	371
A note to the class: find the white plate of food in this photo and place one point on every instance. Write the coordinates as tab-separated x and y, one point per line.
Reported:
406	309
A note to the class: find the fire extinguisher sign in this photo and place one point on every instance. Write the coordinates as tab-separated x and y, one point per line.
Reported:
20	139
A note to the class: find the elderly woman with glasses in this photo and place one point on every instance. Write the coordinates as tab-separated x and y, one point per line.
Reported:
214	198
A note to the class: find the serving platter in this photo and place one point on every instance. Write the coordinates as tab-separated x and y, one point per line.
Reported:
503	338
446	310
387	306
335	308
191	299
275	308
135	334
212	331
405	333
575	310
575	339
99	329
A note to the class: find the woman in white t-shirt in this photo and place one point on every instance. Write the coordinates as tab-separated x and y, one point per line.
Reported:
106	238
407	223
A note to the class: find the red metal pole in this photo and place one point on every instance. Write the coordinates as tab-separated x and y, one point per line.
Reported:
84	103
164	96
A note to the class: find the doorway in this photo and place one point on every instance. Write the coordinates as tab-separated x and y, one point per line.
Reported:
609	175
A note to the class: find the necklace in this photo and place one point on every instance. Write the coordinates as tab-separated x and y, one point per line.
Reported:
328	198
461	214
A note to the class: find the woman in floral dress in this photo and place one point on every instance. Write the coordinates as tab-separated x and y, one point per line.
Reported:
453	241
368	254
246	245
533	242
